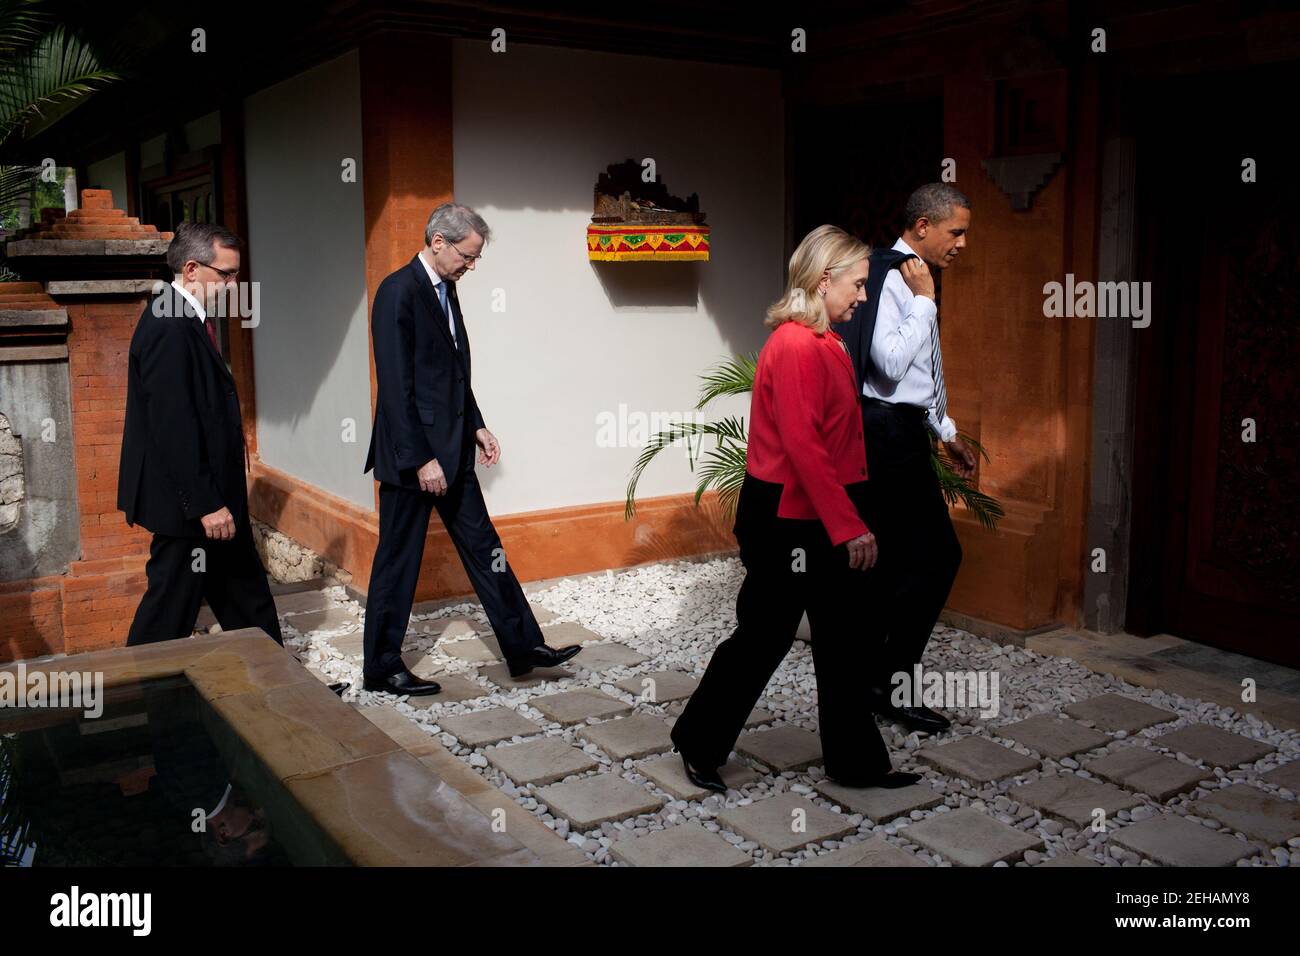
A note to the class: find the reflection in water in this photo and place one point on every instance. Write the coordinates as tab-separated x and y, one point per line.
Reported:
143	785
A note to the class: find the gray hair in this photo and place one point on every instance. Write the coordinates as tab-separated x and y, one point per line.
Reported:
454	222
194	240
933	201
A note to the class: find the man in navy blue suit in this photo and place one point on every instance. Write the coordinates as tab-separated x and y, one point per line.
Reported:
428	428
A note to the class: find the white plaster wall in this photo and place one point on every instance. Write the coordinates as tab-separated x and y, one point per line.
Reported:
307	251
532	130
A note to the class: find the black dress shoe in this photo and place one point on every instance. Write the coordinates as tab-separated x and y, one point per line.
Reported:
890	781
402	683
708	779
542	656
340	688
921	718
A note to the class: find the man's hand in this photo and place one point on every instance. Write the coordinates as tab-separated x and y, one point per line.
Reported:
489	449
431	477
917	276
862	551
220	525
963	459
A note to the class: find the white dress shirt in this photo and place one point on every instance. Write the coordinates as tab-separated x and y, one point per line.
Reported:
900	369
437	281
198	306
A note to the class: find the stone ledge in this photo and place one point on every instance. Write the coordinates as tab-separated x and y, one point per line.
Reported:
102	286
24	318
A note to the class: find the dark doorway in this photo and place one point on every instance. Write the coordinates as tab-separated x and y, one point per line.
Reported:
887	143
1215	553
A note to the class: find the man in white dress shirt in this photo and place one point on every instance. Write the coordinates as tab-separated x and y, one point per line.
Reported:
904	402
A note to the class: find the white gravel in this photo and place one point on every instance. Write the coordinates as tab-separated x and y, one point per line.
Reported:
677	612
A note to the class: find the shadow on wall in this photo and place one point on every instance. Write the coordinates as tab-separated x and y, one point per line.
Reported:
705	524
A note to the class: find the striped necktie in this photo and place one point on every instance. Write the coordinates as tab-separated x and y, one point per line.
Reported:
442	300
936	370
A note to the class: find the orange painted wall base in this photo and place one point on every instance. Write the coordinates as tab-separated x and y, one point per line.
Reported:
539	544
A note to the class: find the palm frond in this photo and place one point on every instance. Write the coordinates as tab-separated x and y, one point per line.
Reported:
955	488
723	467
40	85
728	430
21	24
17	183
733	376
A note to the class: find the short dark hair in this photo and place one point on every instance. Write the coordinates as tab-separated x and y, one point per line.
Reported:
933	201
194	240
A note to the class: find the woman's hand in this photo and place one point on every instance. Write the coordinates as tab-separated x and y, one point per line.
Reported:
917	276
862	551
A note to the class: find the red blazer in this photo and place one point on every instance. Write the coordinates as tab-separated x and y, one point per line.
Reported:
805	428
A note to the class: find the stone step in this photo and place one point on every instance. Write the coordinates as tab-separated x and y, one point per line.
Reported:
113	217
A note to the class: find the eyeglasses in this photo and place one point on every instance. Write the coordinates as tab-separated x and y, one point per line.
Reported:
222	272
468	259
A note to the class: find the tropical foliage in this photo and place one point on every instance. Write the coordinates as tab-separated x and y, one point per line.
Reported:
722	466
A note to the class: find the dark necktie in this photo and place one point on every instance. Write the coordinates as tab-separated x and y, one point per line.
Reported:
212	333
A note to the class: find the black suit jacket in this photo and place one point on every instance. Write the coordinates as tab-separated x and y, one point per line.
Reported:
859	331
426	407
183	440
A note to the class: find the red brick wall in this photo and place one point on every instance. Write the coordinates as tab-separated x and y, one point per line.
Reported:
92	605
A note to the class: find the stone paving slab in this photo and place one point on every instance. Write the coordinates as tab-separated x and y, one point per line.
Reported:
978	759
782	748
564	633
668	686
454	690
669	776
449	628
302	601
627	738
1073	799
539	761
880	803
1146	771
686	845
349	645
489	726
499	674
1052	736
603	656
873	852
1286	776
1069	859
784	822
333	619
1218	748
591	801
1251	811
1173	841
757	717
970	838
575	706
477	650
1115	712
543	615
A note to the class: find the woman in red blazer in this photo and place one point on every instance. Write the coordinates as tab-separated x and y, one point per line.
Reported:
802	540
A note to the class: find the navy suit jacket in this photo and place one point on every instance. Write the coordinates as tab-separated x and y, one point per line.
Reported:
182	438
426	407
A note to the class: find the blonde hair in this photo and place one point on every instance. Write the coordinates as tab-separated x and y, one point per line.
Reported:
826	248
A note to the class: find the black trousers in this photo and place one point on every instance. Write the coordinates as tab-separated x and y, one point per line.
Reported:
184	571
776	592
403	524
919	551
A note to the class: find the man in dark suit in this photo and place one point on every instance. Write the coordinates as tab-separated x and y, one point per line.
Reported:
422	450
893	339
182	469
